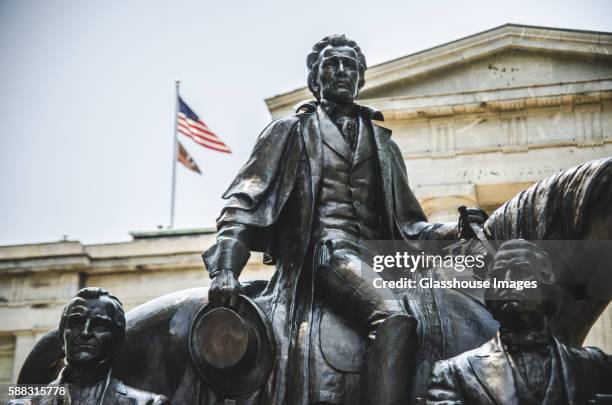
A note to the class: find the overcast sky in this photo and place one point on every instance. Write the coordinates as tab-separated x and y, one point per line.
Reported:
87	94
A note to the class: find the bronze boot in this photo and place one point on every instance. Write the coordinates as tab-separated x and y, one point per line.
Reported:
389	363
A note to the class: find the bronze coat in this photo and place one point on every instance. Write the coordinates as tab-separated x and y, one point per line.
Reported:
484	376
274	197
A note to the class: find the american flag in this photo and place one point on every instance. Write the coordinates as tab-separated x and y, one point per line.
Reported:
191	125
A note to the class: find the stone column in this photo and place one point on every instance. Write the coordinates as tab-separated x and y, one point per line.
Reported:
24	342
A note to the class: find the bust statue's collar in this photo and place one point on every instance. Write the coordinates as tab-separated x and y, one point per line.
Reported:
329	106
95	373
525	341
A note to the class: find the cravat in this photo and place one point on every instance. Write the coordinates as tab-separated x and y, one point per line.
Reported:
534	341
348	128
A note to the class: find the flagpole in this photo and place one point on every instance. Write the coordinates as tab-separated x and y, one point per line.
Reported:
177	83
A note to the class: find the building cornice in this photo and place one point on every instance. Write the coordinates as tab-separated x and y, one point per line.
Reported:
178	251
495	100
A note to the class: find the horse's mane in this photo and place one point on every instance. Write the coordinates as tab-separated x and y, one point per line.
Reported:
541	211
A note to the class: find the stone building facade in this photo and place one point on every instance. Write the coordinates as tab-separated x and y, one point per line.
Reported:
477	119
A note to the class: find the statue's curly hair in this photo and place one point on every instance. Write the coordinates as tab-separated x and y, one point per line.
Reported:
89	293
312	60
551	290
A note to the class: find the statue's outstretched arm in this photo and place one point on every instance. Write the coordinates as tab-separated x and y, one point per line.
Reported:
462	229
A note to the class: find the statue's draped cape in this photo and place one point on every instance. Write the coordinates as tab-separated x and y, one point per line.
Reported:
274	195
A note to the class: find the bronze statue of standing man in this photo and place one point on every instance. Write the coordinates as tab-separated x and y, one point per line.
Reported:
319	183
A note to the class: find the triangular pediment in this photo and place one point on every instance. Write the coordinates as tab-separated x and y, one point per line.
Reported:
506	69
477	61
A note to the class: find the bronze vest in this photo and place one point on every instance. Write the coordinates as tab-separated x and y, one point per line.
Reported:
349	201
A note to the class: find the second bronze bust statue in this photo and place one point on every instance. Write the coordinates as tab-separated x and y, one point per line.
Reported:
525	363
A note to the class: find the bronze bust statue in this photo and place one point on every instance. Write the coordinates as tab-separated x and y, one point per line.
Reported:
92	328
525	363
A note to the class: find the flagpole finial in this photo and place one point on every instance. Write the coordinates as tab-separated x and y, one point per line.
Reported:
177	81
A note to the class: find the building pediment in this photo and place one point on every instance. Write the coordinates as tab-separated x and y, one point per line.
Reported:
506	69
507	57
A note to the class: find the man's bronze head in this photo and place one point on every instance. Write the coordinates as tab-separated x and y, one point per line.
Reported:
521	261
336	69
92	326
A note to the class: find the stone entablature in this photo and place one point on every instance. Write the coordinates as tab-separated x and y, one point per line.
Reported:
51	273
511	130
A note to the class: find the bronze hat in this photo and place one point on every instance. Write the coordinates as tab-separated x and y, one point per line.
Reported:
233	348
